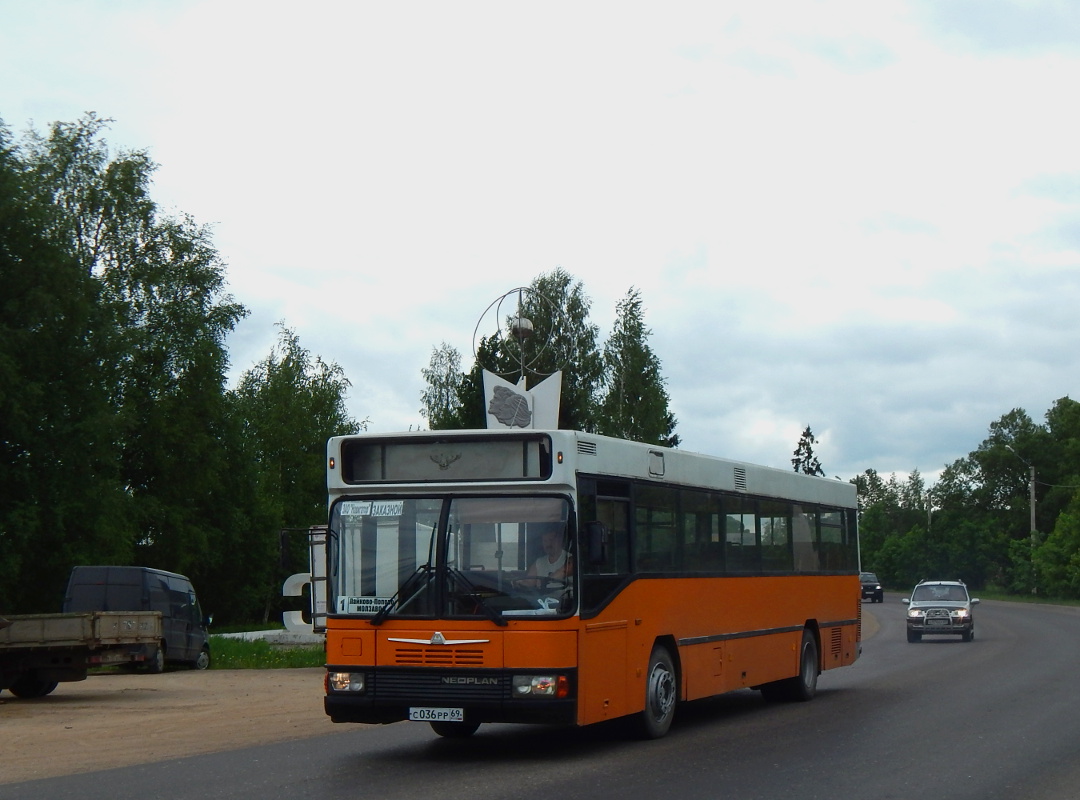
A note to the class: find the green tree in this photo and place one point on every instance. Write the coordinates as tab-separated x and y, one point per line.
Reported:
976	518
1057	559
893	522
471	412
635	403
286	407
60	497
167	315
118	441
441	400
804	460
573	347
563	339
1056	457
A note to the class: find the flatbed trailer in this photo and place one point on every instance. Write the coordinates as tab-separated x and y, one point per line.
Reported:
37	651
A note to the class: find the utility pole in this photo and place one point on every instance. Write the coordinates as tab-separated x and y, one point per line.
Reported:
1034	535
1031	505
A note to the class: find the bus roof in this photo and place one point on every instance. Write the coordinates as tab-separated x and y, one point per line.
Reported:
593	454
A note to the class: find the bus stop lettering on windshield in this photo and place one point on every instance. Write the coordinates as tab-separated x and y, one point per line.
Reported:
385	508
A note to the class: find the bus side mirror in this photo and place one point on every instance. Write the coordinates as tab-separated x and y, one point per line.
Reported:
597	537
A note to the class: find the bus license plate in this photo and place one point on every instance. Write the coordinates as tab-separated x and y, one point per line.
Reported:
437	714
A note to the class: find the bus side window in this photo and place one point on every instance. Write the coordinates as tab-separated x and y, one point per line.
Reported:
614	515
775	526
655	529
742	553
600	580
701	539
837	554
804	536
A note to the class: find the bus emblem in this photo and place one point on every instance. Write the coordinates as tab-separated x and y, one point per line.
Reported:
444	461
438	639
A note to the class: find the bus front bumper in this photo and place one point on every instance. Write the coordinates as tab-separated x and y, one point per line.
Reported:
482	696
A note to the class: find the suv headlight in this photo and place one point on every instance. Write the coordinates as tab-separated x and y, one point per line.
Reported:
916	612
961	613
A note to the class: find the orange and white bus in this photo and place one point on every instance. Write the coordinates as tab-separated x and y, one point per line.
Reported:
563	577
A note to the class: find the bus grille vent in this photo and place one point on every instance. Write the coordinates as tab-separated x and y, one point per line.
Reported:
586	448
439	687
837	641
438	657
740	479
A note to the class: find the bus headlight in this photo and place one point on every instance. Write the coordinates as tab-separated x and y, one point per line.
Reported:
541	686
346	681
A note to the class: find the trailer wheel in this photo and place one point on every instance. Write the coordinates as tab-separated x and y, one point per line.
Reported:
28	686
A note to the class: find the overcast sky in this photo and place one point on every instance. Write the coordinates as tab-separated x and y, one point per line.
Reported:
861	216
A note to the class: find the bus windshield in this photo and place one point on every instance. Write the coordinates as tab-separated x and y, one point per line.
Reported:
453	557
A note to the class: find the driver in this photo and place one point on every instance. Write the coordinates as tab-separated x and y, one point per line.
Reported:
555	564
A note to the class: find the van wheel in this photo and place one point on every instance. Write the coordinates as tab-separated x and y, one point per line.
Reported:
156	663
203	661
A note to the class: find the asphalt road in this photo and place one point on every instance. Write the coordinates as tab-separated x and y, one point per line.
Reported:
996	718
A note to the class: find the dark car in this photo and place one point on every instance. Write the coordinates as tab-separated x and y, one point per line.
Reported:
940	607
871	587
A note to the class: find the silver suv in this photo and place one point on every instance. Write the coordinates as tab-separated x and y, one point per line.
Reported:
940	607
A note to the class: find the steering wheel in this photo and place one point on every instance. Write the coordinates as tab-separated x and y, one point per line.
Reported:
539	583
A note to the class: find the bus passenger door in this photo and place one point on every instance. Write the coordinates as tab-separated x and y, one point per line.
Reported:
603	671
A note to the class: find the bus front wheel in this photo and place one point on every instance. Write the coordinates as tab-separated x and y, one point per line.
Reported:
455	730
661	693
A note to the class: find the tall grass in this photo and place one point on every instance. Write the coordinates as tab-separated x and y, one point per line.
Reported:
229	653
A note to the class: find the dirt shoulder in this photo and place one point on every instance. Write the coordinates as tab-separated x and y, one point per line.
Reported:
121	719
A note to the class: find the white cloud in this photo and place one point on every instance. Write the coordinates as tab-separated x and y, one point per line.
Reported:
858	216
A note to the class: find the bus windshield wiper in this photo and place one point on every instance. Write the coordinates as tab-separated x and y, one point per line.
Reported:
384	612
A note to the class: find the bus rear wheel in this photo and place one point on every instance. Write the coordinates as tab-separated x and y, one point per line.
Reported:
455	730
803	686
661	694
